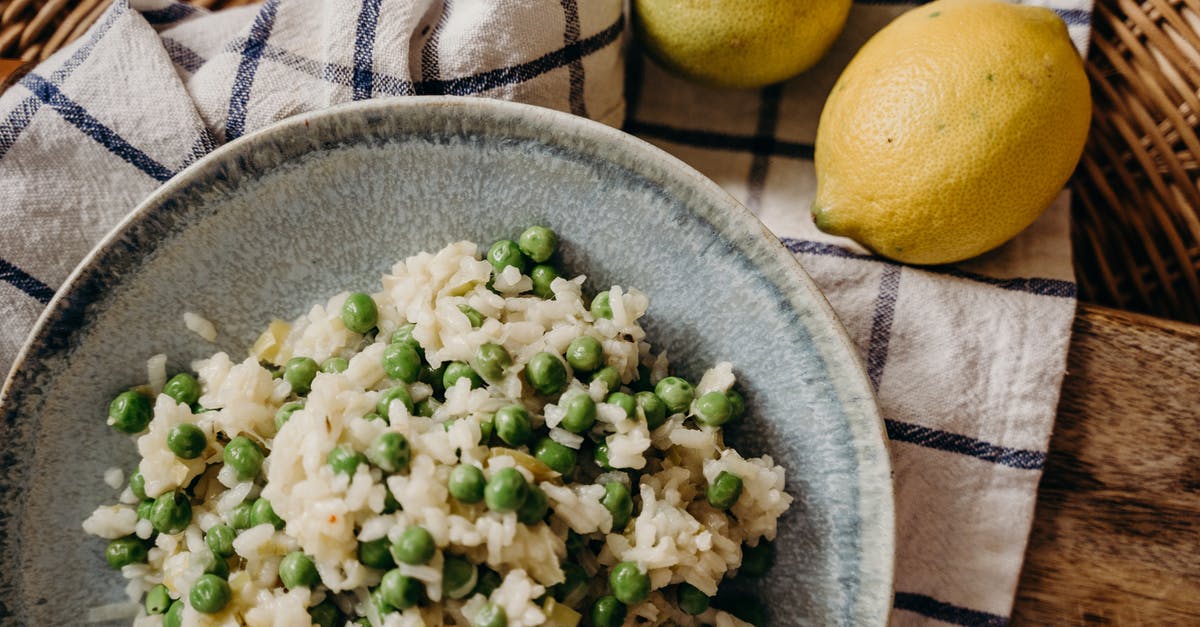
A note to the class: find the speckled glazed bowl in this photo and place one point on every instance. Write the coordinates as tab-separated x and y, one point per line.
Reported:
286	217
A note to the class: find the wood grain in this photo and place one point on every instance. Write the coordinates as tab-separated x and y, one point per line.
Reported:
1116	535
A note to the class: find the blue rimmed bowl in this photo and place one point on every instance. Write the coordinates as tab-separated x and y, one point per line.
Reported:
288	216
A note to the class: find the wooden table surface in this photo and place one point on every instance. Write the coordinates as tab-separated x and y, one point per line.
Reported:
1116	536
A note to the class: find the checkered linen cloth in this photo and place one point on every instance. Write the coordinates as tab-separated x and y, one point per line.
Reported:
967	360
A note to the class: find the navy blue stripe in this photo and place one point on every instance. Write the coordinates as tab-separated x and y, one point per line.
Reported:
964	445
570	36
82	120
431	68
364	50
516	74
1033	285
762	147
20	117
881	323
945	612
720	141
166	15
25	282
1073	17
239	97
182	56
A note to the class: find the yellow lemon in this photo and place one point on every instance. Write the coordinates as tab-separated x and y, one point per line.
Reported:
739	43
951	130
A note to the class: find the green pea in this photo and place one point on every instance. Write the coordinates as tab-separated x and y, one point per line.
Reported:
505	253
209	594
144	507
400	591
538	243
580	414
285	412
629	584
345	460
725	490
404	333
213	564
713	409
299	373
473	315
458	577
244	456
376	553
456	370
427	407
262	513
158	600
652	408
334	365
558	457
601	306
390	452
491	360
486	427
543	276
125	551
737	404
574	584
326	614
174	615
242	516
535	507
390	504
398	393
415	546
401	361
585	354
184	388
607	611
486	582
219	538
757	560
434	376
691	599
609	377
382	606
490	615
137	484
130	412
601	455
619	503
467	483
186	440
359	312
625	402
171	513
546	373
297	570
514	425
676	393
506	490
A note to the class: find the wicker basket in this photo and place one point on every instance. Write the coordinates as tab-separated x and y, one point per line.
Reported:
1136	228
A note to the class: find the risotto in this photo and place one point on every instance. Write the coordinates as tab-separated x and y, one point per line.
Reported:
475	443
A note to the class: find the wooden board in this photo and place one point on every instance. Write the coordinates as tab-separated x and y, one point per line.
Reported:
1116	536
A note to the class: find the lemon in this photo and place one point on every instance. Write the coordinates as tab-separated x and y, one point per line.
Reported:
951	130
739	43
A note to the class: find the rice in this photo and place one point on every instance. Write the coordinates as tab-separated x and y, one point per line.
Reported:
200	326
673	536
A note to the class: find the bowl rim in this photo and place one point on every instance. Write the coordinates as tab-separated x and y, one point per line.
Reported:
855	394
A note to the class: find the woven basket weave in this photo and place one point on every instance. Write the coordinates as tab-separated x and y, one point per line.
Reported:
1137	209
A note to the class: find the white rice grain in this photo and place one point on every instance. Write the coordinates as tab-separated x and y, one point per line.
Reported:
200	326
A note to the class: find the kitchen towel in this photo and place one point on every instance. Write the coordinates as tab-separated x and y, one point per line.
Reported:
967	360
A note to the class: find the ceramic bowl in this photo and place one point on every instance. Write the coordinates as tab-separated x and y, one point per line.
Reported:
324	202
